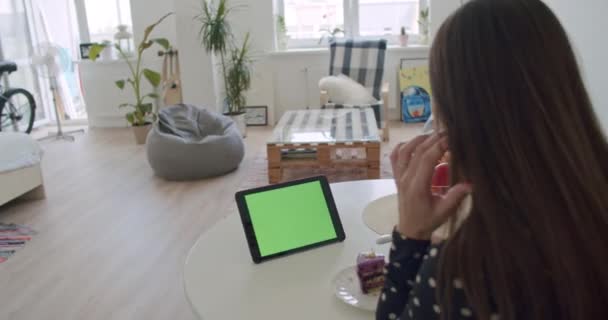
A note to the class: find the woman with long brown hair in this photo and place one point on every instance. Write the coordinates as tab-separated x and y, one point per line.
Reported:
526	147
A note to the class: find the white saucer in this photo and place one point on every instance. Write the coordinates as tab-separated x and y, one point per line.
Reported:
347	289
382	214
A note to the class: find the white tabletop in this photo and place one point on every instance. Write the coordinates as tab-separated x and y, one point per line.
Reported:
222	282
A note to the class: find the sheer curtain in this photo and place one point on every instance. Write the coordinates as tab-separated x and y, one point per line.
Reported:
53	22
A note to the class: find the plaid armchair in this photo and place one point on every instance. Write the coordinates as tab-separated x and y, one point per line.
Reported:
362	61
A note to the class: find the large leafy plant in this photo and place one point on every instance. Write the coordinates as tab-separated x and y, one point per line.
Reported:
216	37
142	109
238	76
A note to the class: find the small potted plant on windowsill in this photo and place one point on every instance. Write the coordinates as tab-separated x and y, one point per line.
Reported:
424	24
143	112
282	37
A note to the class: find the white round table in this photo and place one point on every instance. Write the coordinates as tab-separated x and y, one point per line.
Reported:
222	282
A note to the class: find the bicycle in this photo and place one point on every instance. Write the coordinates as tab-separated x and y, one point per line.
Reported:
17	105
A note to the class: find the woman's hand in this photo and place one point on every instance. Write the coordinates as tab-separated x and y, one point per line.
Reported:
420	211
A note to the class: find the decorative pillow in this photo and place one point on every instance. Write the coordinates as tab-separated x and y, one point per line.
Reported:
344	90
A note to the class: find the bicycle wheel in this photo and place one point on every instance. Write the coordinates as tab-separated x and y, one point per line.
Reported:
18	112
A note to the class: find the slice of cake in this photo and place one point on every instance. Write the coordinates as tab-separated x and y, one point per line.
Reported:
370	269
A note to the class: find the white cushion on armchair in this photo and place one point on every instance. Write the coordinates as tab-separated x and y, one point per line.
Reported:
343	90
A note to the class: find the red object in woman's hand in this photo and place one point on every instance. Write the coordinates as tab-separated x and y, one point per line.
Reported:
441	179
421	211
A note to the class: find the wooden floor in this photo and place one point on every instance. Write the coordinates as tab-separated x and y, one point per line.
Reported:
112	237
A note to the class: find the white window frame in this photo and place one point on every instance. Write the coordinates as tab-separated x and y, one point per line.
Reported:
83	22
351	27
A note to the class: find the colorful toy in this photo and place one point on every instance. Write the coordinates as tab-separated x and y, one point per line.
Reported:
416	105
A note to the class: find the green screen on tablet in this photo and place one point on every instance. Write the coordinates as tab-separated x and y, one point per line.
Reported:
283	218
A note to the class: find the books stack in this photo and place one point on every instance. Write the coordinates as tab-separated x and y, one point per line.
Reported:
13	237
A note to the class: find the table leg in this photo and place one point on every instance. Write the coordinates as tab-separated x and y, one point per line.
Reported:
275	173
373	161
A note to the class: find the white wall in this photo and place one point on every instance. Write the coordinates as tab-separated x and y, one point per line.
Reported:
440	10
196	65
587	26
146	12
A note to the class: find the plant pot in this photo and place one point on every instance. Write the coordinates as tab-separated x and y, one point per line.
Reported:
241	124
283	42
107	54
141	133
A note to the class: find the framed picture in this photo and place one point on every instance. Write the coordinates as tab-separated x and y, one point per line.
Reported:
85	48
256	116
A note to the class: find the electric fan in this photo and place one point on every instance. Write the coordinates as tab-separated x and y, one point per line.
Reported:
49	63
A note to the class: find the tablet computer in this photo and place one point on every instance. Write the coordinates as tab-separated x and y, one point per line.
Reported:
290	217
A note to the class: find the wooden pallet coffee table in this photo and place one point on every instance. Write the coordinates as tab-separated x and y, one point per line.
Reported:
316	138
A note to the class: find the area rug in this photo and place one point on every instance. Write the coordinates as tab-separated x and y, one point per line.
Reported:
13	238
258	172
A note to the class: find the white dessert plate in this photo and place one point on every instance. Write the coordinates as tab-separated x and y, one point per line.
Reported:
382	215
346	288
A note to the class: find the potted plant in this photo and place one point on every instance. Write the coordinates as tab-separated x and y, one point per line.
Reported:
238	81
423	23
403	37
142	113
235	63
282	37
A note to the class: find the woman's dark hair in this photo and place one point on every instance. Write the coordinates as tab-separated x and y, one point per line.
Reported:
523	132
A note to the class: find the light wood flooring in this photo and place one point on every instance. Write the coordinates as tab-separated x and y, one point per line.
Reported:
112	237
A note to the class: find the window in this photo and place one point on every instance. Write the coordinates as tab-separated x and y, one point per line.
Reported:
104	17
386	17
307	21
16	45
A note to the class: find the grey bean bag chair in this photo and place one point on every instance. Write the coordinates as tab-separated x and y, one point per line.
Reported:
189	143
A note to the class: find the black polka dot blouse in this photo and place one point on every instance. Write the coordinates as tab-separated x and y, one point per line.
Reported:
409	291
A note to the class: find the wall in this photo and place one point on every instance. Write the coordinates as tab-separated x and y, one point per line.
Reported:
197	72
586	24
146	12
440	10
